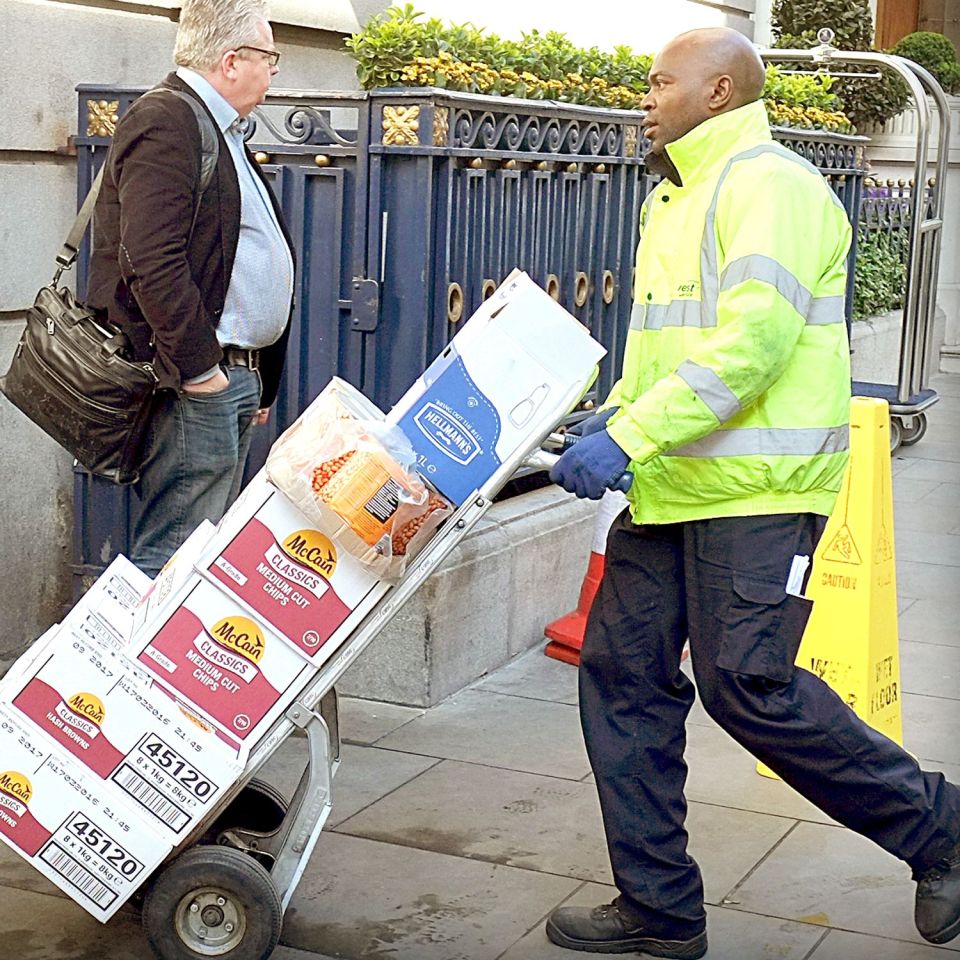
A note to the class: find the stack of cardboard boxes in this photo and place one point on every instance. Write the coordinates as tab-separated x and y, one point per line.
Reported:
122	727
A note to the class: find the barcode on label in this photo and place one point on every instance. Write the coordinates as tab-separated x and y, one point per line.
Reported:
77	876
383	504
141	791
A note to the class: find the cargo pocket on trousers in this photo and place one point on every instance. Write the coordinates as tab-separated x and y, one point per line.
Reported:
763	627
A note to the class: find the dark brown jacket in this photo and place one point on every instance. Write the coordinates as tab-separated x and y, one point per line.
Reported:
147	272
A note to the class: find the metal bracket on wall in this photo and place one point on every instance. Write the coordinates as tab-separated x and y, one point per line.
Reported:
366	305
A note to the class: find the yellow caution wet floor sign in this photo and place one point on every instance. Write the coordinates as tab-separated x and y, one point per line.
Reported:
851	640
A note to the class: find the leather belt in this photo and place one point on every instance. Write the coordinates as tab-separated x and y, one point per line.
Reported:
241	357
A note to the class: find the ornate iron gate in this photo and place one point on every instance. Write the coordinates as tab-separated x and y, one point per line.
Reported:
407	208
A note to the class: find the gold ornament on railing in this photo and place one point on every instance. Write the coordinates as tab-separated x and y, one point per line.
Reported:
102	117
401	126
630	139
441	126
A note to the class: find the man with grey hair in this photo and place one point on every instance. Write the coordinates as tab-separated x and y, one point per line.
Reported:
200	278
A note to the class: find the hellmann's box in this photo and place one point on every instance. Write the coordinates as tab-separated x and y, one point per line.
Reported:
517	366
96	707
290	575
231	668
61	821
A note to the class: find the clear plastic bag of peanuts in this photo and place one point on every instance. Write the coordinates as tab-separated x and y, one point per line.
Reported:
354	478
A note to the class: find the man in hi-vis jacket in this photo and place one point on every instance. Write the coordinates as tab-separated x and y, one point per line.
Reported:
731	416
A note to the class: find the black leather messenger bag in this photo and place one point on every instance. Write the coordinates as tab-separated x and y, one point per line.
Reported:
72	373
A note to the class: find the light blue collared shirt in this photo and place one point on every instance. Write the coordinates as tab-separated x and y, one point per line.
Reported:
261	285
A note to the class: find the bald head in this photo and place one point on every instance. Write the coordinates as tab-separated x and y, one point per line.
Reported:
713	52
697	75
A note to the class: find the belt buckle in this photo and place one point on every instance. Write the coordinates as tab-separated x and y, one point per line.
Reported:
243	357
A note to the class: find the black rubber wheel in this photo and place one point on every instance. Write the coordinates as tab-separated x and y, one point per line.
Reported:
896	435
912	434
213	902
258	806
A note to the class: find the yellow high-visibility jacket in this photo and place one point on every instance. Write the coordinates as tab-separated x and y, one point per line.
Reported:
735	390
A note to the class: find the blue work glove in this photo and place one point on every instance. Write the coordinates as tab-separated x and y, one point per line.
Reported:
592	424
591	466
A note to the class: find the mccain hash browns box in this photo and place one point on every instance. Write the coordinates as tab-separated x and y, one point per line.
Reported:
95	706
61	821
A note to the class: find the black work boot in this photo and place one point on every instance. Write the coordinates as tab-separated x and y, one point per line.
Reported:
606	929
937	907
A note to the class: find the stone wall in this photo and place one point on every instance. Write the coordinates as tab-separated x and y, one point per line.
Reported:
520	568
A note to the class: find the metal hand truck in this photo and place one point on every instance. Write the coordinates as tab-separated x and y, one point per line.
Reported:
910	396
223	891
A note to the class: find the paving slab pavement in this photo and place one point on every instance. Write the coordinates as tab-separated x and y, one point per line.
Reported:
456	830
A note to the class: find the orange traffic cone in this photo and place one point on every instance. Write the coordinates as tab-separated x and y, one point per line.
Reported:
566	633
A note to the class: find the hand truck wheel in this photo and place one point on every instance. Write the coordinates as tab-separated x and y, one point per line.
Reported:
912	434
213	902
259	806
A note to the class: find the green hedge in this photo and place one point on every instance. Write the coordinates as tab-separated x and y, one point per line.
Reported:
935	52
880	273
401	48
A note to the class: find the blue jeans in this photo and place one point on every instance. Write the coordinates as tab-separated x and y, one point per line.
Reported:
196	450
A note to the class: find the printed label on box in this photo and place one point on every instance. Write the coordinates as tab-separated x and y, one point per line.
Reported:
107	608
231	667
98	709
57	818
457	431
293	576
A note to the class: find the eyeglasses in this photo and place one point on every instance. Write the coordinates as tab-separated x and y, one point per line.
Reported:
273	56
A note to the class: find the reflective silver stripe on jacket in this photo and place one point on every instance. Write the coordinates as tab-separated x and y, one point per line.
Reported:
710	285
716	395
818	311
769	441
678	313
826	310
688	313
756	266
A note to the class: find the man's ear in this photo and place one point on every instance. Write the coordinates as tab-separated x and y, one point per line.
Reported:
722	93
228	65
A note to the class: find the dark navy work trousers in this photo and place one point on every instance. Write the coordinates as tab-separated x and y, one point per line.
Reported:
721	583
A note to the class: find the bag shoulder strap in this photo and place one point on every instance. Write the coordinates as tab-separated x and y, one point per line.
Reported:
209	144
209	154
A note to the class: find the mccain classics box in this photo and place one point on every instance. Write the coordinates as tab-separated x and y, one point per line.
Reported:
103	616
234	670
517	366
113	597
289	574
173	575
63	822
96	707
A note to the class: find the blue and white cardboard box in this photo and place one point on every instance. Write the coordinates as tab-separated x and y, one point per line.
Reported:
516	367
